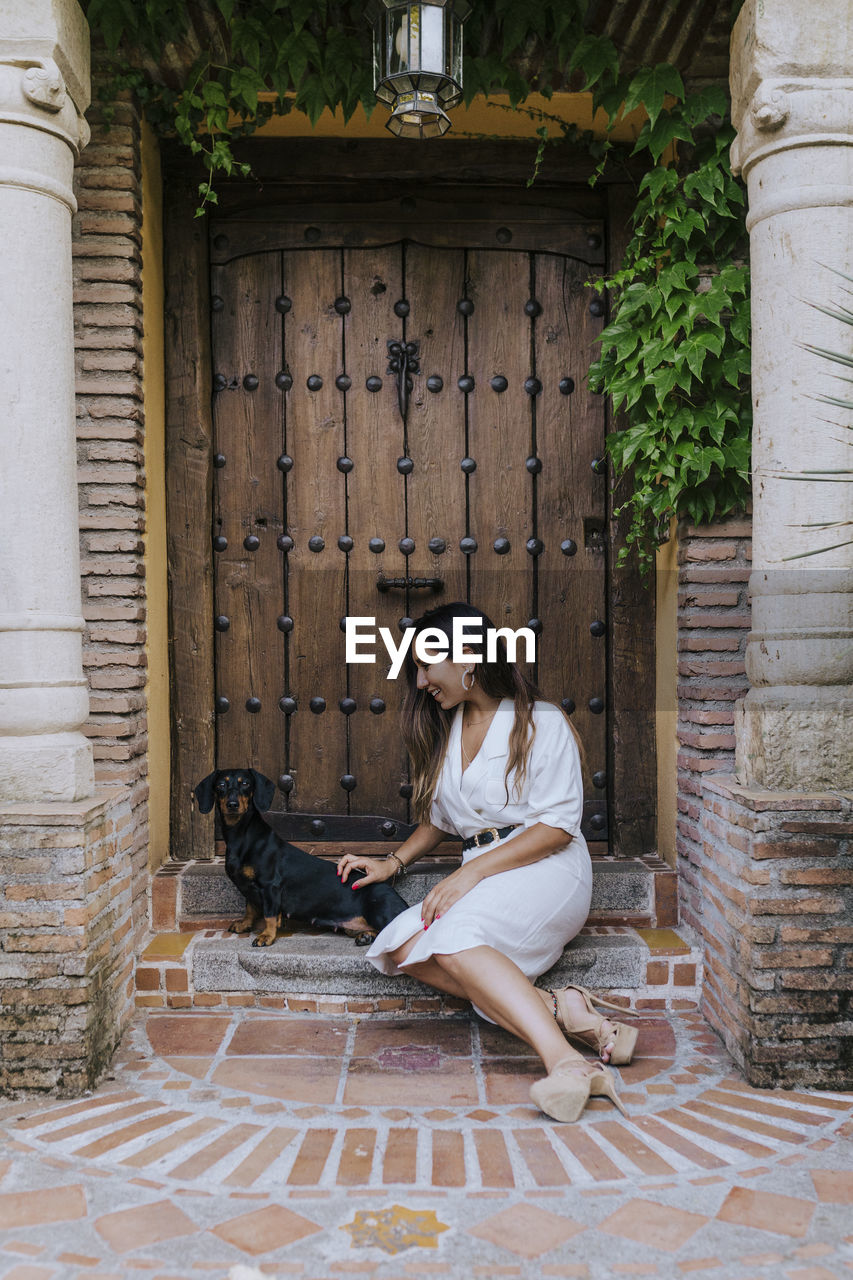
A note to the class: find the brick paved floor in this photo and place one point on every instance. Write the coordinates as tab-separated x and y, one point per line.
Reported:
324	1147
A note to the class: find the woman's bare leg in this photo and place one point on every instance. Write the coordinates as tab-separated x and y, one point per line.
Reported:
577	1007
428	971
496	985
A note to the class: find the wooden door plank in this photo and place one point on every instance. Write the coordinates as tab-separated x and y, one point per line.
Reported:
631	640
499	436
409	166
376	509
438	208
189	453
248	505
435	282
315	508
569	436
380	225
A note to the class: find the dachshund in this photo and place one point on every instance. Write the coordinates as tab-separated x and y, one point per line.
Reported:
279	880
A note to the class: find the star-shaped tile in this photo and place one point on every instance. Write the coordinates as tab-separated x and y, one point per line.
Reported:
394	1229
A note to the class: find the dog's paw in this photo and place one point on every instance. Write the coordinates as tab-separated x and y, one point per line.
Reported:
364	939
263	941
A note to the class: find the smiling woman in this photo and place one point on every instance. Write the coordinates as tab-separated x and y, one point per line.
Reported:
494	762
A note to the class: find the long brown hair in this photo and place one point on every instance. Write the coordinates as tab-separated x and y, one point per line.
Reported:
426	727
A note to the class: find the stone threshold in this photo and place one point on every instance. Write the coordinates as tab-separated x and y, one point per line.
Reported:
308	971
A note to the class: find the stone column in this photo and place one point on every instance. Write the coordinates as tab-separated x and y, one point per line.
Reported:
44	90
792	105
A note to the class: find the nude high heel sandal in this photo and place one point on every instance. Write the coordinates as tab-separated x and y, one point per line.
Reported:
591	1033
564	1093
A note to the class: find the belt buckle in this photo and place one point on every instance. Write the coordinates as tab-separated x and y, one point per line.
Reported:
489	831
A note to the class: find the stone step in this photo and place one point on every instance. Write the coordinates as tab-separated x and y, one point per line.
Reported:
331	965
626	891
312	970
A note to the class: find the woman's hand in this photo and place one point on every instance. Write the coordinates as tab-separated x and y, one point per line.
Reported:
374	869
450	890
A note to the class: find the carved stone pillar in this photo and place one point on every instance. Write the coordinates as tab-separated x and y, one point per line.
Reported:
792	105
44	90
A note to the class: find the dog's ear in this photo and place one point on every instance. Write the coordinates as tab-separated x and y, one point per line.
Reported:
204	792
264	791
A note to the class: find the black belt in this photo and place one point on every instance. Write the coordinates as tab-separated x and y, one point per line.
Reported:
487	837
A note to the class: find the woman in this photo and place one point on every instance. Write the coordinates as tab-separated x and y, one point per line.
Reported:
497	764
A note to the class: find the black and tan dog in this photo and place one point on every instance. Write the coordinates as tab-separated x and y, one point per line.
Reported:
276	878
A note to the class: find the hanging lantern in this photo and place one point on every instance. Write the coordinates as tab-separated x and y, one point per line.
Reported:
417	63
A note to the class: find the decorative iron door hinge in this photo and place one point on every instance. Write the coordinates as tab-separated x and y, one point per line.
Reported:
403	361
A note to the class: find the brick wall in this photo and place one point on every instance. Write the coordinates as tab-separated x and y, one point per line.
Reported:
111	477
66	923
765	878
713	624
776	870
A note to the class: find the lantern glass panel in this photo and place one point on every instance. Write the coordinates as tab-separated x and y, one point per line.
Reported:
454	38
378	48
418	39
399	58
431	37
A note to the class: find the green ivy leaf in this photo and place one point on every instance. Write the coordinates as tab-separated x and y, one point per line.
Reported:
712	101
515	26
312	98
689	221
740	325
658	180
663	380
695	348
650	86
247	84
213	94
595	55
656	137
300	11
110	21
296	59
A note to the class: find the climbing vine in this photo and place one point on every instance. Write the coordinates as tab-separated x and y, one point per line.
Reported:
675	354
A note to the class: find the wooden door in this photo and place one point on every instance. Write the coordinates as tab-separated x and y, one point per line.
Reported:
488	489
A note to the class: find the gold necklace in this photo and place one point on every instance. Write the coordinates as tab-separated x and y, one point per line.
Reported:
469	724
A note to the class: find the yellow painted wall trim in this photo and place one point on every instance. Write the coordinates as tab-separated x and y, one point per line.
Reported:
666	677
159	756
491	117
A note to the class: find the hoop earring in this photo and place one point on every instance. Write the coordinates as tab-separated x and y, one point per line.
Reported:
469	671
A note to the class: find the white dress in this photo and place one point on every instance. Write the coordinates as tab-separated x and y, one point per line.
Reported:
529	913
